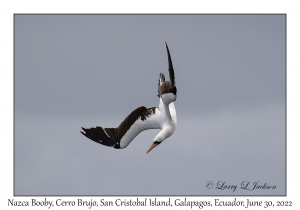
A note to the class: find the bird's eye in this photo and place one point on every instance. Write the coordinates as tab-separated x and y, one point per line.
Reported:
157	142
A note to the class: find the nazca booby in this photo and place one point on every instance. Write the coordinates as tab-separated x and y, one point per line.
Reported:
142	118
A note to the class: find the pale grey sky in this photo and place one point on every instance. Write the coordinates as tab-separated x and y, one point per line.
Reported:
74	71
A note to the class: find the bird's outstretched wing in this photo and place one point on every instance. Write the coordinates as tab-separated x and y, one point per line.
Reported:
167	86
138	120
171	70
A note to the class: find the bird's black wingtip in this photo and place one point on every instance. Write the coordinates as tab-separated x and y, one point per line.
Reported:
167	48
84	134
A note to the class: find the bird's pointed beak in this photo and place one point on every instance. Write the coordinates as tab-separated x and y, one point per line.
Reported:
151	147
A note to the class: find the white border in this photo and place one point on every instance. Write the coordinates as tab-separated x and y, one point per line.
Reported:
8	8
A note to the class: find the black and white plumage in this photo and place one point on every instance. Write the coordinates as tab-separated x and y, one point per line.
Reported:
142	118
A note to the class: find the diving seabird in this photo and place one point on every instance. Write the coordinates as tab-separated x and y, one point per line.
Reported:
142	118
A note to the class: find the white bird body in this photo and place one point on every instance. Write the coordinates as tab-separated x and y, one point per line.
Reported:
142	118
159	120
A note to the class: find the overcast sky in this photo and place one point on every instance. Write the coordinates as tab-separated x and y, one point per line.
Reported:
73	71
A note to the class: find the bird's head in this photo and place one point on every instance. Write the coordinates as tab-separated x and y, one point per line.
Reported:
161	136
153	145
